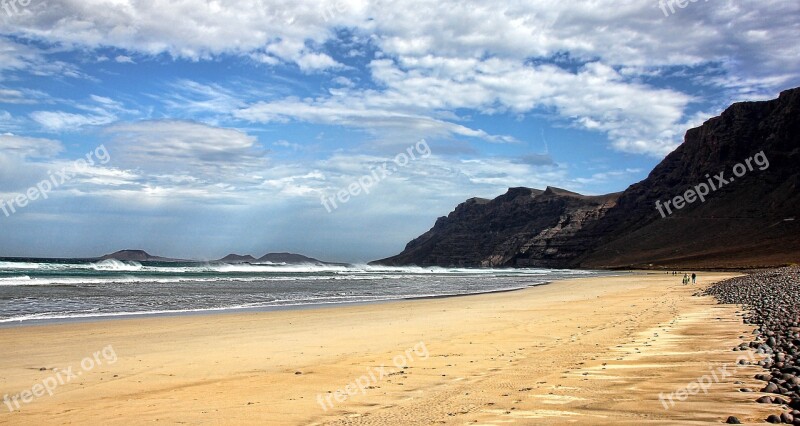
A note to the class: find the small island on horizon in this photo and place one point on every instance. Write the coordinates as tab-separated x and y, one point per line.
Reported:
129	255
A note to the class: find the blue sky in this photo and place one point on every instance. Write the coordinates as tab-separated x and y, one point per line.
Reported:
226	122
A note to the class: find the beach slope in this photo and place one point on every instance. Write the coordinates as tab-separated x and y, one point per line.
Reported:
631	349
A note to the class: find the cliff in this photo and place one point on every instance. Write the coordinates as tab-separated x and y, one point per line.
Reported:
524	227
749	222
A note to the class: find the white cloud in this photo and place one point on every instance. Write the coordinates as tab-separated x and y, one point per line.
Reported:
344	81
101	112
60	121
16	57
122	59
193	98
586	64
27	147
626	32
25	161
357	111
286	144
190	29
637	118
13	96
316	61
182	147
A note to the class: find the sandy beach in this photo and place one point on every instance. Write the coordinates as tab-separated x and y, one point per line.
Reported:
632	349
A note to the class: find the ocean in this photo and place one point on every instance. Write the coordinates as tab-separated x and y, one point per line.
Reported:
36	291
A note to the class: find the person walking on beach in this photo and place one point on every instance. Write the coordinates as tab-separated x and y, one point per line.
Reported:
694	278
685	279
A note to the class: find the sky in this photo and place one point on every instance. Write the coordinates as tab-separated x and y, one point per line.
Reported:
342	129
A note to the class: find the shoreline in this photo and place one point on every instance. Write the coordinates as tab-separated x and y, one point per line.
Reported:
594	350
233	311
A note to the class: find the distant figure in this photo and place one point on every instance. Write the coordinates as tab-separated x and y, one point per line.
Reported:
685	279
694	278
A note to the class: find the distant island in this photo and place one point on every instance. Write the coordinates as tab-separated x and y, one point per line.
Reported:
237	258
280	258
287	258
137	256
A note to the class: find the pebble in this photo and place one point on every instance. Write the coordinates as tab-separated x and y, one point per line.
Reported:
771	301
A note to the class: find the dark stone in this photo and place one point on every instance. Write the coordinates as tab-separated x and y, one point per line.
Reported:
772	298
770	388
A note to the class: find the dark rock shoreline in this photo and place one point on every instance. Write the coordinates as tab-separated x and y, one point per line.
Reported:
771	299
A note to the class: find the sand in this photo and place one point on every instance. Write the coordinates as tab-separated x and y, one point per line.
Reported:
584	351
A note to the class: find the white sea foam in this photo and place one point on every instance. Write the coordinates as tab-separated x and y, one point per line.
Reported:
130	288
279	303
115	271
18	265
112	265
14	281
116	265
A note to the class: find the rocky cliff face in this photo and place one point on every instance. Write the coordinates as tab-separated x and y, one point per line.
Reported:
522	228
751	221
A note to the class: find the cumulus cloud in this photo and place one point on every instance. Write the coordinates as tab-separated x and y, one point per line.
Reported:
588	64
187	28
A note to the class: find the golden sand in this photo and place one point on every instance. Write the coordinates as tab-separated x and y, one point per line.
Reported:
584	351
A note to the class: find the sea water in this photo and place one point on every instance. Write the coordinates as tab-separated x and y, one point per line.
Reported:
58	290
